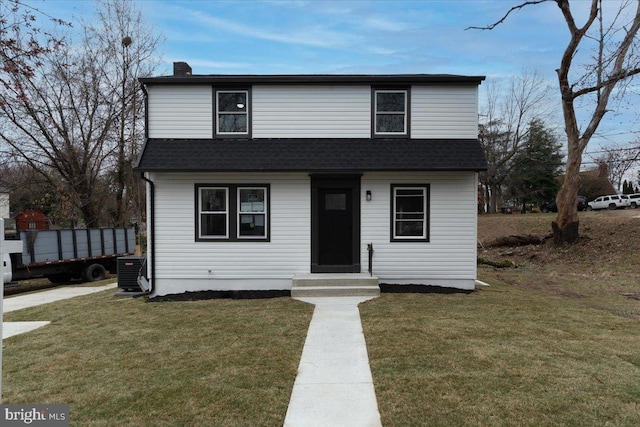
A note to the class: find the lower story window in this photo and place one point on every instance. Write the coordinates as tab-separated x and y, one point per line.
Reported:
232	212
410	212
252	212
213	213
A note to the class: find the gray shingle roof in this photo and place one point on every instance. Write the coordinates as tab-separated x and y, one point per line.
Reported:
311	155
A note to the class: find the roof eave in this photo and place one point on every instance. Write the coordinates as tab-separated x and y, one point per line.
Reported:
293	170
338	79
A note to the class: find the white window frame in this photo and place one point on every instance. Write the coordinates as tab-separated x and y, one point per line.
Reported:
246	112
264	213
404	113
201	212
425	212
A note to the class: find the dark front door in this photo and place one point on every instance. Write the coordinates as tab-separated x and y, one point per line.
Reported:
335	224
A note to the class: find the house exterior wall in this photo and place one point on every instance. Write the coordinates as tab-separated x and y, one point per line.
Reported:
180	112
312	111
182	264
444	112
449	258
31	219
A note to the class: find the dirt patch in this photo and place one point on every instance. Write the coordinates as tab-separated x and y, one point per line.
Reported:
607	254
606	237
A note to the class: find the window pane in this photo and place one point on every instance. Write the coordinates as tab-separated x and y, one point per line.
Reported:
409	204
232	123
390	101
390	123
232	101
213	225
252	225
252	200
213	200
409	229
335	202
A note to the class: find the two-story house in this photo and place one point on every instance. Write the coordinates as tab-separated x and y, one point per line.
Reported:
255	179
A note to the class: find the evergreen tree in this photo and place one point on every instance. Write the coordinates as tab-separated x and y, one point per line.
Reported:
536	166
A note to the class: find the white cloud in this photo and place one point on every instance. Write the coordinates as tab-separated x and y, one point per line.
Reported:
316	36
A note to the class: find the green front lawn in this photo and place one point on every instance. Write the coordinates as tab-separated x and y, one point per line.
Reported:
502	356
124	362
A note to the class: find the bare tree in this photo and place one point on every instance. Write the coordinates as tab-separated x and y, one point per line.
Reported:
58	122
22	42
74	117
131	46
619	161
615	60
504	125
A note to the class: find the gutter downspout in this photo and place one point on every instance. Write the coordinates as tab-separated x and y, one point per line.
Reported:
152	196
151	226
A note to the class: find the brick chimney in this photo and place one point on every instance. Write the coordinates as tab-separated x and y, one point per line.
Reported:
181	69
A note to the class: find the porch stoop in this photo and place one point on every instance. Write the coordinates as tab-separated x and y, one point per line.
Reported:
334	285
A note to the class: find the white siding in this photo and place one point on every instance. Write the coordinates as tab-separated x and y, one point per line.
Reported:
182	264
444	112
311	111
180	112
449	258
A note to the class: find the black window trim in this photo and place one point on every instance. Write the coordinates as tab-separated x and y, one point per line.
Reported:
232	212
232	135
427	214
407	130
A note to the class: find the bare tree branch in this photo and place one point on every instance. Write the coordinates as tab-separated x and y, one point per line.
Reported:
506	15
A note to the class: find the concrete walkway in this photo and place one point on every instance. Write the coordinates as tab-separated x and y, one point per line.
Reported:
18	302
334	386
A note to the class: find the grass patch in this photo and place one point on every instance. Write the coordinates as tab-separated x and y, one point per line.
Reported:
501	356
124	362
551	342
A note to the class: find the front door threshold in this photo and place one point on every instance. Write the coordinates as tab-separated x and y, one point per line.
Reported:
315	268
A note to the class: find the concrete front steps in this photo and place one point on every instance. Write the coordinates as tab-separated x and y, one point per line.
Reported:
334	285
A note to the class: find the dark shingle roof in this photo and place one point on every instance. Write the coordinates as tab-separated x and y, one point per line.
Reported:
311	155
331	79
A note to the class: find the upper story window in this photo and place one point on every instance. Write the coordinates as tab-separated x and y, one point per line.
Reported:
232	113
390	117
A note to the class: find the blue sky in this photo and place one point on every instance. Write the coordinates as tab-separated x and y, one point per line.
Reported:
322	36
369	37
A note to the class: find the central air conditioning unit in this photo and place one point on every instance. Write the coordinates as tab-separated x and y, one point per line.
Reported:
129	269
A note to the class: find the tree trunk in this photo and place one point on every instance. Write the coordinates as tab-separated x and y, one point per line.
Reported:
567	234
565	227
